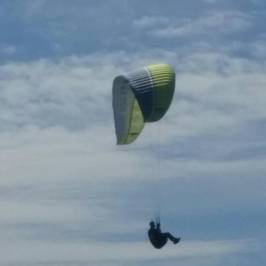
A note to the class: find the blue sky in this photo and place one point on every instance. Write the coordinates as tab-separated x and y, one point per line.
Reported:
69	195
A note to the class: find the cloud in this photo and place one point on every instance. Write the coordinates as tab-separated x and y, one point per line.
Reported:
69	195
226	22
151	22
47	104
126	252
258	48
62	174
78	28
43	93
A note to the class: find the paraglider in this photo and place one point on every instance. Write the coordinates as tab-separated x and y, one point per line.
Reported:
139	97
159	239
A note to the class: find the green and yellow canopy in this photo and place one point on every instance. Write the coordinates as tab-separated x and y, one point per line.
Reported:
139	97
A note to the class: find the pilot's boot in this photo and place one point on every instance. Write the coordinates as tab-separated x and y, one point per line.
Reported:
176	240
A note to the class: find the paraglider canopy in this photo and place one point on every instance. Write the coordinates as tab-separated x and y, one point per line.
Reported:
139	97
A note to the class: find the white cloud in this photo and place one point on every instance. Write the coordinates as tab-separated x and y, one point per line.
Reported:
259	49
99	252
212	23
35	155
68	193
150	22
57	135
65	108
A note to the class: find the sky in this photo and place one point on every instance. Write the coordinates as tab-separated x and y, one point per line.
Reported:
69	195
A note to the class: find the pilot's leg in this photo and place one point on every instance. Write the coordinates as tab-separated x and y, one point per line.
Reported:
171	237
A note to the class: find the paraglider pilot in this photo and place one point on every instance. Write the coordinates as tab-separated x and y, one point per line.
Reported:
159	239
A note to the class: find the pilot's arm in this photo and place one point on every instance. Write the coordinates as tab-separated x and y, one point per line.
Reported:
158	227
